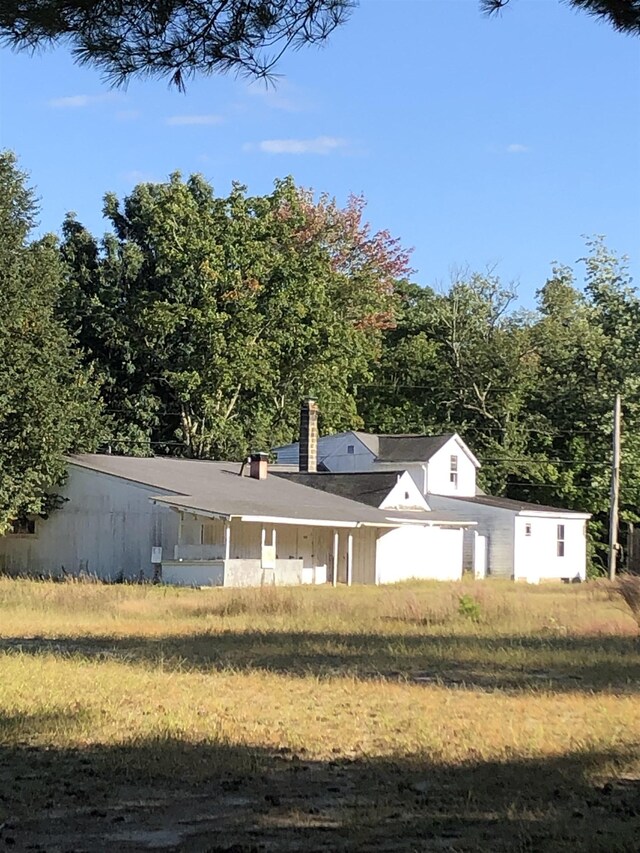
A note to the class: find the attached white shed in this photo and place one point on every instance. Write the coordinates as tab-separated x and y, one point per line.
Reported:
524	541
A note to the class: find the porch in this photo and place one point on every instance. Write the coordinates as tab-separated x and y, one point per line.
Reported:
238	552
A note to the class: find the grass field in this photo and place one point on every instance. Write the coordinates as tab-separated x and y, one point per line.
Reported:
390	719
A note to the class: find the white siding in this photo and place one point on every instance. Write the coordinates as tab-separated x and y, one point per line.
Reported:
364	556
494	523
405	495
414	551
439	472
536	556
106	527
246	540
333	451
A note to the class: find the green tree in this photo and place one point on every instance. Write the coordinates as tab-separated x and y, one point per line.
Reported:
588	341
209	318
173	38
623	15
48	405
458	361
177	38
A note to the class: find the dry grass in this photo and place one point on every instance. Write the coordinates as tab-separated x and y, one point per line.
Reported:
628	588
137	718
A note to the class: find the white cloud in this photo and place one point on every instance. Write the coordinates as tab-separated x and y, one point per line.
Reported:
319	145
517	148
81	101
195	120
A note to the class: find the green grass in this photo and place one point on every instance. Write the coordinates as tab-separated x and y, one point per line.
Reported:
460	717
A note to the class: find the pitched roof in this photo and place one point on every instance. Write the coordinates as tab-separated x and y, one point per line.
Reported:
370	487
518	506
216	488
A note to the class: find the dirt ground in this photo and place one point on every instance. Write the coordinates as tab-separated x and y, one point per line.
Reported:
71	802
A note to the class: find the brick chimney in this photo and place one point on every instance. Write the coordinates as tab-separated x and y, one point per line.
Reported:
308	458
258	466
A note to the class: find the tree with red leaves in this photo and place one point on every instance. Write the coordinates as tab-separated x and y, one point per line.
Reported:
210	318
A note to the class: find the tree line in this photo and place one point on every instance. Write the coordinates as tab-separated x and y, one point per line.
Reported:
197	323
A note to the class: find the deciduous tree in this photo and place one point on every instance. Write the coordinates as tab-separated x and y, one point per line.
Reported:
48	405
210	318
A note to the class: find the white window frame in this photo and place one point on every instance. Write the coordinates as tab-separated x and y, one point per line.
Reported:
453	470
527	529
561	541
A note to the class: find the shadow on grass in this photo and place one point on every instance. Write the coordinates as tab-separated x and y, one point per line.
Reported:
559	664
182	796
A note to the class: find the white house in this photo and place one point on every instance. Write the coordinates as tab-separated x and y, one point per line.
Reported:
441	464
511	539
429	545
219	524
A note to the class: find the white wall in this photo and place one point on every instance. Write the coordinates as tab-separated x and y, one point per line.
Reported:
416	551
536	556
439	471
333	451
405	495
494	523
107	526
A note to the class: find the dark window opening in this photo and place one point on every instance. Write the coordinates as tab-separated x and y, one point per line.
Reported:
23	526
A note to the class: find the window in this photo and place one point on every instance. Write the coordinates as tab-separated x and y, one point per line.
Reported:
560	540
23	527
527	530
453	471
351	449
406	496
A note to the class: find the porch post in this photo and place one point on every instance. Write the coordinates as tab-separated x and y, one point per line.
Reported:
350	559
336	557
273	542
227	538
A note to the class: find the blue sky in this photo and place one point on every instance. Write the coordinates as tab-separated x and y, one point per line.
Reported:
476	141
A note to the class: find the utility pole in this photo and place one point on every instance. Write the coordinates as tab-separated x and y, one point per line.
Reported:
615	491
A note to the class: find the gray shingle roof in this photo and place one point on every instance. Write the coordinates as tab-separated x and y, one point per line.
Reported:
369	488
518	506
215	487
403	448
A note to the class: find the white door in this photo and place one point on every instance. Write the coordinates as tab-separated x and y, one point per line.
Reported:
480	552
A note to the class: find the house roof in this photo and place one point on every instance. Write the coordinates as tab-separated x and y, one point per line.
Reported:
517	506
403	448
215	488
370	487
